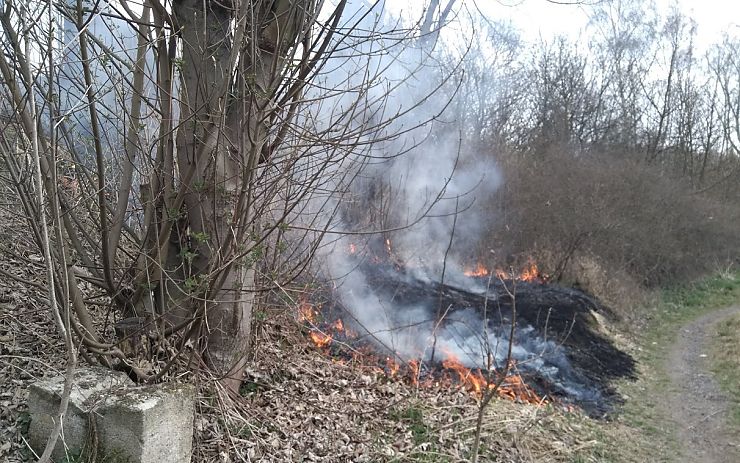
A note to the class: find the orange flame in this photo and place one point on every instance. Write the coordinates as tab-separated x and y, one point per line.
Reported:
513	386
306	312
531	273
392	366
352	248
479	271
319	338
472	380
414	366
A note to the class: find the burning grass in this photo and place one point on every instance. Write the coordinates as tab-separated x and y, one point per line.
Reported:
299	404
557	355
448	372
530	273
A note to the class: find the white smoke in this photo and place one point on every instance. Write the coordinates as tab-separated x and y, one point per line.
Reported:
409	331
414	154
409	146
416	157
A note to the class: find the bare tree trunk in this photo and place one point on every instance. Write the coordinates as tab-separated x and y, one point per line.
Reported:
232	60
210	170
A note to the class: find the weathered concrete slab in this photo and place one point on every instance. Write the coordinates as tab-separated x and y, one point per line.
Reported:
126	423
43	403
148	424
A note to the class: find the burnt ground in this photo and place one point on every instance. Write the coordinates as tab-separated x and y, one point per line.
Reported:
694	400
562	315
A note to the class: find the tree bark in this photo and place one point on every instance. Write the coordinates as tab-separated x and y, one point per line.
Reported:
232	59
206	144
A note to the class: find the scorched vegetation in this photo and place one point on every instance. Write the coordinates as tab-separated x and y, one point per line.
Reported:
364	235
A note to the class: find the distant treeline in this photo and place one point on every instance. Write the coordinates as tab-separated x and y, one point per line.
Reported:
620	151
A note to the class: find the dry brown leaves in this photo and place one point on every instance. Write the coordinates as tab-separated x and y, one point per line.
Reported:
298	404
29	345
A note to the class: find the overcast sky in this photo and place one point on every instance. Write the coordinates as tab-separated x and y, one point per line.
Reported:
540	17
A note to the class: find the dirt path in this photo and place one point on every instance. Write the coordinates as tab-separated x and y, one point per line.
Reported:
695	400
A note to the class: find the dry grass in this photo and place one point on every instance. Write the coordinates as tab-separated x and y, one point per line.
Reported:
726	361
300	405
297	404
30	347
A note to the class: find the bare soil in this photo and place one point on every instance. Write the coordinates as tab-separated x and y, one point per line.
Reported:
694	401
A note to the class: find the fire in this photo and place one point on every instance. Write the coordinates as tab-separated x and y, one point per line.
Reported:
392	366
479	271
319	338
473	380
352	248
531	273
414	370
306	312
512	387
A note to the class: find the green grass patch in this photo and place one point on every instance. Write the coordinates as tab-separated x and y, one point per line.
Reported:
715	292
726	362
413	417
676	307
249	387
422	435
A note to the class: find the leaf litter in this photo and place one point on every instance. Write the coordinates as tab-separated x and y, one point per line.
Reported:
296	404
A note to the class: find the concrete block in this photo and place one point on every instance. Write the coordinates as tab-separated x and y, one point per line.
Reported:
148	424
125	423
89	385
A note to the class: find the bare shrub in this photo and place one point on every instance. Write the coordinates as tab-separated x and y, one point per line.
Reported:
591	219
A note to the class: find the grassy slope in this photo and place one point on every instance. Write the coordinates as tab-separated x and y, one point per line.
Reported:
643	432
